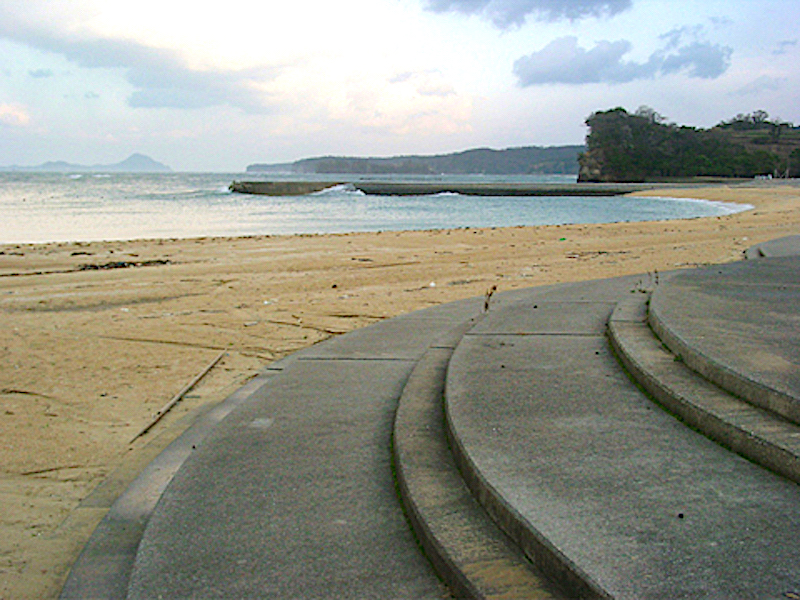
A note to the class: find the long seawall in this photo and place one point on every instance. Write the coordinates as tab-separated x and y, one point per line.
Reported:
393	188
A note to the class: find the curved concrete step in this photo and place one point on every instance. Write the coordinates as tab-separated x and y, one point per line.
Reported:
785	246
737	325
592	480
574	315
287	491
758	434
104	566
469	552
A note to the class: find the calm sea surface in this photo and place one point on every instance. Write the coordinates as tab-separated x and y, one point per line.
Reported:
45	207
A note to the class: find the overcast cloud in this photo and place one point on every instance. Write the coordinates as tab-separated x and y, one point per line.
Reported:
760	85
160	77
564	61
506	13
217	87
784	46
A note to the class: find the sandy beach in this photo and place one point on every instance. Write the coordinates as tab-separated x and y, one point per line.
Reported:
99	336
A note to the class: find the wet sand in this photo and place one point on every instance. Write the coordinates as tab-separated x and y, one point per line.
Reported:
99	336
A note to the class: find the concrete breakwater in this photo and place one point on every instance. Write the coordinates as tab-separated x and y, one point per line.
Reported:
378	188
392	188
281	188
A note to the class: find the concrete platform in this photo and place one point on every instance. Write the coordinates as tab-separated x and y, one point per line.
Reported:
737	325
758	434
342	472
785	246
578	466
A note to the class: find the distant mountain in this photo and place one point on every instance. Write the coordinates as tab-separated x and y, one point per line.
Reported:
511	161
135	163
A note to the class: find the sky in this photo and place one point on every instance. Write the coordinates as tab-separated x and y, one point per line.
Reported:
215	86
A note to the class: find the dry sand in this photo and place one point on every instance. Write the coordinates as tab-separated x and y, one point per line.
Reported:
88	356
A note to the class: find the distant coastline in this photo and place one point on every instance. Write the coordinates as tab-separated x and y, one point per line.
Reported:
135	163
527	160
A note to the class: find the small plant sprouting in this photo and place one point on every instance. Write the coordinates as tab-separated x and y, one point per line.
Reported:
488	298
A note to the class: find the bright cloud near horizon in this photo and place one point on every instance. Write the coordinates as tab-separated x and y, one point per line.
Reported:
215	87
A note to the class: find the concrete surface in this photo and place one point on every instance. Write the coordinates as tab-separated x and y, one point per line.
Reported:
737	325
469	551
104	567
785	246
292	496
416	188
755	433
576	463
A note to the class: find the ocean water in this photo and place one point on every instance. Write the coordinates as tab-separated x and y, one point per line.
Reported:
48	207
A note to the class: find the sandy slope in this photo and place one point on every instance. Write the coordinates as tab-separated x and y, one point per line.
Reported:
87	356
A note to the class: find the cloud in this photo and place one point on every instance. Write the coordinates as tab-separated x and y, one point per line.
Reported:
41	73
761	84
784	46
421	103
13	115
563	61
507	13
161	78
674	37
426	83
698	59
721	21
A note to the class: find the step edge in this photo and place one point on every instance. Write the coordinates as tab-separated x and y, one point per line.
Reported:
738	384
544	555
773	454
492	566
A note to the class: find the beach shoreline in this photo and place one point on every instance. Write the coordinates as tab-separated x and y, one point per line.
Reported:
103	334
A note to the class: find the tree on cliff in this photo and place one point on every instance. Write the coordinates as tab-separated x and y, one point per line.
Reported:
643	146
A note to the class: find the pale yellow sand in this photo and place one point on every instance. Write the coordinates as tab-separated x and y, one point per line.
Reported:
87	357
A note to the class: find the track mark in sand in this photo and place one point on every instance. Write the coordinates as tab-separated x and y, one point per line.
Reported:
98	306
120	338
25	393
250	351
398	264
311	327
159	262
51	469
123	264
353	316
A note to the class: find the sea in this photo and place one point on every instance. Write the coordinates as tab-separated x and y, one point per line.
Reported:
73	207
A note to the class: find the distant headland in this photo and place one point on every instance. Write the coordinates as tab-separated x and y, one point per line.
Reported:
528	160
135	163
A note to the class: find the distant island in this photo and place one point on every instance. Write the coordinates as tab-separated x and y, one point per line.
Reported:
526	160
135	163
644	147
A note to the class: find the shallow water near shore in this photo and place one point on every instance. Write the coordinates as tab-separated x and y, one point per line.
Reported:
56	207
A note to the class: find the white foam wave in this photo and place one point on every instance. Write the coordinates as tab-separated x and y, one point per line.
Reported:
343	188
725	208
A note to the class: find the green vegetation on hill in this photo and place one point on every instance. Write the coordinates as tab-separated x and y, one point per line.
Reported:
512	161
625	147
